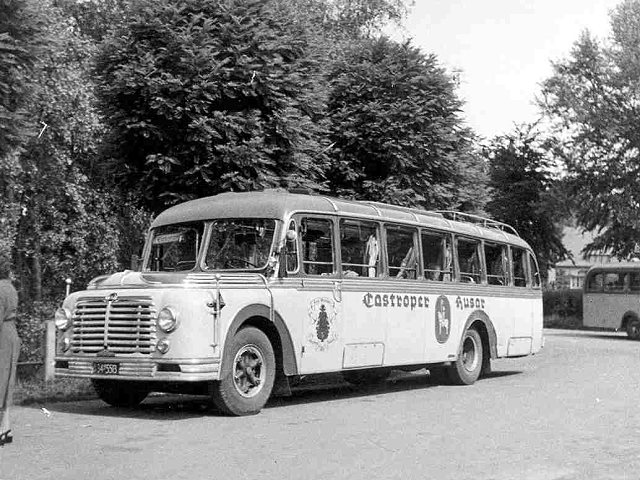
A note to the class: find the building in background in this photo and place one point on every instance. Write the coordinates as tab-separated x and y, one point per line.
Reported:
570	273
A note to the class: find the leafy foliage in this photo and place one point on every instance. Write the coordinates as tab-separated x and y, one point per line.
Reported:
593	100
207	96
395	128
524	194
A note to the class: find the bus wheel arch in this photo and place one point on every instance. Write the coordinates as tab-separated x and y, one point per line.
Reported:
481	322
631	324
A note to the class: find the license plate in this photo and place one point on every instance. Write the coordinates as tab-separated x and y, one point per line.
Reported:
106	368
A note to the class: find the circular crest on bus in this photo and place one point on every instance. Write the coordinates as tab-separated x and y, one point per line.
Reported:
443	319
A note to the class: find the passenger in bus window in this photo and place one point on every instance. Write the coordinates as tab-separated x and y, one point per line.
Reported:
408	265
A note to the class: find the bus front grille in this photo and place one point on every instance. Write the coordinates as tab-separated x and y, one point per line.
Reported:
124	325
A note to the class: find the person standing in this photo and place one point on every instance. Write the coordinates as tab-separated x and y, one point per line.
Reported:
9	347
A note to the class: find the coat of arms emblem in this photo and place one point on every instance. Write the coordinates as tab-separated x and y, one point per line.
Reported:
443	319
322	313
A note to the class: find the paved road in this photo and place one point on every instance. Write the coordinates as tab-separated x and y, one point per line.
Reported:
569	413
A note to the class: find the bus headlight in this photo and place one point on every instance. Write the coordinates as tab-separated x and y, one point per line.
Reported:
62	319
167	320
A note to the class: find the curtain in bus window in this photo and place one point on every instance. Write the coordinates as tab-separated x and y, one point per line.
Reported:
317	246
535	273
359	248
436	256
469	260
402	252
496	260
519	259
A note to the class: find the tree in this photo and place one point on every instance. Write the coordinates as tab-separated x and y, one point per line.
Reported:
396	132
524	194
20	43
593	102
207	96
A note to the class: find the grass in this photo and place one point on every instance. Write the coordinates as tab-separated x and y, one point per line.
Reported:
33	390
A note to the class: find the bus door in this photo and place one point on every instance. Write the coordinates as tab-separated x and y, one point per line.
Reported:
311	300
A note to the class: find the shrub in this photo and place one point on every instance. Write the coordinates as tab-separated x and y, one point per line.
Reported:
562	308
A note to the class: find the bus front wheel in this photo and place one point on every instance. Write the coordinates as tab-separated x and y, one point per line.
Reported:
467	368
247	376
633	329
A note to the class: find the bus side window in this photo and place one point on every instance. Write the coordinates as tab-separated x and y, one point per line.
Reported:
535	273
497	265
634	281
359	248
469	260
402	252
614	282
436	256
595	282
316	239
518	260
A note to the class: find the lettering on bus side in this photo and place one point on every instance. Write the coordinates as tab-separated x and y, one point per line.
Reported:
463	303
389	300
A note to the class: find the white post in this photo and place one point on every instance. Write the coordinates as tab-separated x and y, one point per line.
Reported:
49	350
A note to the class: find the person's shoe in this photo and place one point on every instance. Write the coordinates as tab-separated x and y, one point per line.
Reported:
6	437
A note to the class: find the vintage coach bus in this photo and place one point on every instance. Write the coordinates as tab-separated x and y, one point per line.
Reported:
240	292
611	298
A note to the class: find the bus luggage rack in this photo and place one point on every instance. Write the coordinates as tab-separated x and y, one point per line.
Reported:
478	220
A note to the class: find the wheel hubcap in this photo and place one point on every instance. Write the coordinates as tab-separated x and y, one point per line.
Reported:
249	371
470	354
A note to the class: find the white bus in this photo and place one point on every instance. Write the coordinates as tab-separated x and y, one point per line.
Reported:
611	298
240	292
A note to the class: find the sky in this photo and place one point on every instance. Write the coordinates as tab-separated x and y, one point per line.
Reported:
503	49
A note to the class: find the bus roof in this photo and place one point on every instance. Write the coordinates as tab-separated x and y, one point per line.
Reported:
616	266
280	205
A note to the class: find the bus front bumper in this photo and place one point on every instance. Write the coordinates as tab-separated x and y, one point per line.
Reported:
177	370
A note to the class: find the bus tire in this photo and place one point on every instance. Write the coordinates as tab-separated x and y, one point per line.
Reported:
120	393
247	376
466	369
633	329
368	376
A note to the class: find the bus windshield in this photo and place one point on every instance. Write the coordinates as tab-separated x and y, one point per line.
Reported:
175	248
240	244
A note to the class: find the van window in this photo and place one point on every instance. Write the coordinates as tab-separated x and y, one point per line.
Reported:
402	252
316	239
359	248
437	256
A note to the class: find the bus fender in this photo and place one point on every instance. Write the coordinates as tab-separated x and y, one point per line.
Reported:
481	316
289	364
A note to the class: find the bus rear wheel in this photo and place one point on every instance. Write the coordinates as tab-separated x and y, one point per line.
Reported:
633	329
247	376
120	393
468	366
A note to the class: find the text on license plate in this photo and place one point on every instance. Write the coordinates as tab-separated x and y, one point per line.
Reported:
106	368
